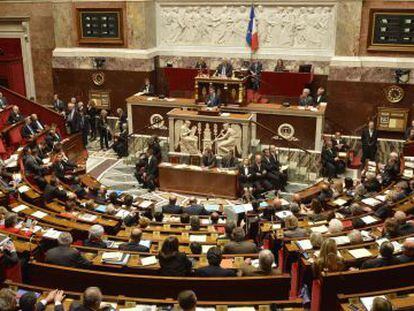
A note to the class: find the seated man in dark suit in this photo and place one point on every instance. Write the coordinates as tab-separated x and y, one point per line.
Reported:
148	88
229	161
64	255
245	176
212	99
15	115
209	159
224	69
339	143
214	257
408	251
150	171
34	167
391	172
387	258
195	209
27	131
54	191
52	138
172	207
133	244
28	301
330	161
404	227
60	169
94	239
305	99
36	124
320	96
272	168
238	245
259	176
120	145
187	300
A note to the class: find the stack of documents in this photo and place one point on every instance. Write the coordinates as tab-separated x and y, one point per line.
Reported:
360	253
115	258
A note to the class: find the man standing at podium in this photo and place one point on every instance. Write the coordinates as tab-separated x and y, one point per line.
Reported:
225	69
212	100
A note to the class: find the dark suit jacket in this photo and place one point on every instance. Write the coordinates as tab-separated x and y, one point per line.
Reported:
66	256
122	120
229	69
33	166
59	169
405	259
52	139
151	168
328	155
172	209
256	68
41	307
367	140
214	271
227	162
73	121
242	174
148	89
379	262
258	172
406	229
14	117
37	127
244	247
94	243
59	105
213	100
177	265
27	131
196	209
134	247
269	164
53	192
209	161
320	99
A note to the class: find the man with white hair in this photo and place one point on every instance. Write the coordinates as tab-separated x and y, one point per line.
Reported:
408	251
335	226
305	99
265	267
404	227
355	237
64	255
96	233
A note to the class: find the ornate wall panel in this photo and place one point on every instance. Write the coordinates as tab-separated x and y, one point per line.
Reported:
298	26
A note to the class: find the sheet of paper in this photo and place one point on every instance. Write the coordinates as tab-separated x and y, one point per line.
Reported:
283	214
150	260
360	253
19	208
367	302
39	214
340	202
140	308
146	243
205	248
212	207
369	219
320	229
371	201
304	244
23	188
145	204
198	238
341	240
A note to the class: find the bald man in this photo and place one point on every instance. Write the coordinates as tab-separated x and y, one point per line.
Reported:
408	251
91	300
172	207
259	173
134	244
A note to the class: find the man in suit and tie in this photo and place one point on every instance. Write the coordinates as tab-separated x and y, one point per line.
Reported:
28	132
194	208
36	124
15	115
150	171
259	173
255	71
305	99
148	88
224	69
320	96
64	255
52	137
134	242
172	207
212	99
369	139
72	118
3	101
59	105
330	161
214	257
209	159
91	300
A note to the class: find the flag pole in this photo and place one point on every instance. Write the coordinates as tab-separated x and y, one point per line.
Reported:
251	50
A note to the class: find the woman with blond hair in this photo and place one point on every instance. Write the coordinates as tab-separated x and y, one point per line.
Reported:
328	259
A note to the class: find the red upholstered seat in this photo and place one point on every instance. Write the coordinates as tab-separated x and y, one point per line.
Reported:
294	283
13	273
4	115
316	295
15	135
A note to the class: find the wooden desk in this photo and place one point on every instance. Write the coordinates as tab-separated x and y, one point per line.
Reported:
307	125
205	182
230	90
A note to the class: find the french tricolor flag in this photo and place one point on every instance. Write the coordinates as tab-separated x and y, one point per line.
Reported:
252	37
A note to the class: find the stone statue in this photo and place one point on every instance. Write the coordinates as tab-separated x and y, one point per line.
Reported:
226	141
188	138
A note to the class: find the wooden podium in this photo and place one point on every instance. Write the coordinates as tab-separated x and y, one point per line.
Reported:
231	90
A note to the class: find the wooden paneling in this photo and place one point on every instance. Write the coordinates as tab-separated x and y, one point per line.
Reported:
78	82
351	104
